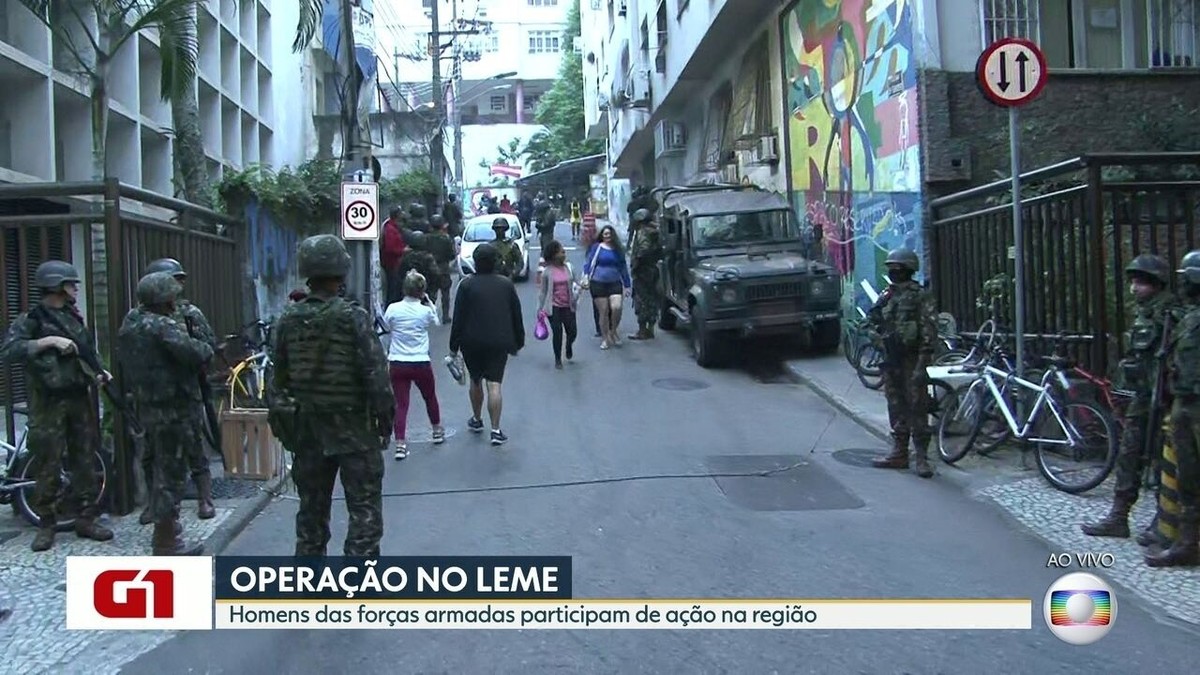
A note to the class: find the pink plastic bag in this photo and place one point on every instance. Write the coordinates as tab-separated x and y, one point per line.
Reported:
542	330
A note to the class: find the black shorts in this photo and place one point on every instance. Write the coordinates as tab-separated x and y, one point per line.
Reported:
602	289
485	364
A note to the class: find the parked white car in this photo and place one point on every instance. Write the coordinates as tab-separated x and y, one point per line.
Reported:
478	230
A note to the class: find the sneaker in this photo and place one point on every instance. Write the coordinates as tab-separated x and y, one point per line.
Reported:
570	352
475	424
439	436
498	437
558	365
604	345
401	451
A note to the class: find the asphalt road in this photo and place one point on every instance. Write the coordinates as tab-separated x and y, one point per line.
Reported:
861	533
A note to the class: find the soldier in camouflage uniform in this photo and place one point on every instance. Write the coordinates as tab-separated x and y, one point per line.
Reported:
644	255
1183	383
905	322
1149	278
418	257
161	365
508	261
417	219
439	244
640	199
190	317
48	341
330	403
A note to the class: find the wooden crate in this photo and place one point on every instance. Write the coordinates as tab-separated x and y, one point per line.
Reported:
250	449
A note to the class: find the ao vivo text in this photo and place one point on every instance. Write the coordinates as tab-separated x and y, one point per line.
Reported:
1082	560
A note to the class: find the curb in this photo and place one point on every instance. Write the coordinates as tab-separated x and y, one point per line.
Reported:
856	414
242	515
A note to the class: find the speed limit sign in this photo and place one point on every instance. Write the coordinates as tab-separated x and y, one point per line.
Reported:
360	211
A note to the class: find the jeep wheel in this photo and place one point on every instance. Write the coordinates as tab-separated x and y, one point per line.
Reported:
826	337
666	319
706	347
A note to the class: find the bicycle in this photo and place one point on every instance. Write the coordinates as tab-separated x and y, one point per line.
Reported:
18	478
246	382
1068	423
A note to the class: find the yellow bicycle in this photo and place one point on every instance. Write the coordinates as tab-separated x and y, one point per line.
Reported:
245	384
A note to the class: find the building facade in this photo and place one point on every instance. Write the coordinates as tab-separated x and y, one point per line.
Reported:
863	111
247	87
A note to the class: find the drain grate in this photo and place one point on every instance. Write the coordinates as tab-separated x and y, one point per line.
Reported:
679	384
860	457
797	485
228	488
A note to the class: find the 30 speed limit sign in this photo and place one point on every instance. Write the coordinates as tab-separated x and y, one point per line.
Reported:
360	211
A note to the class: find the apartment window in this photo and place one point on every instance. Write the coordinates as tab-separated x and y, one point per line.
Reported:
499	104
531	103
427	4
1010	18
543	3
543	42
660	24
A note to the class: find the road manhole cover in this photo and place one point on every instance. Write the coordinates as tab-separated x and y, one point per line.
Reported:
791	483
679	384
861	457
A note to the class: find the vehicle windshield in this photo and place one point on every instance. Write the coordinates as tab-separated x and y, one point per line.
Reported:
481	230
735	229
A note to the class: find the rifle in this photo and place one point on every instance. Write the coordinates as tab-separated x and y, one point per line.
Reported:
1153	442
90	358
213	426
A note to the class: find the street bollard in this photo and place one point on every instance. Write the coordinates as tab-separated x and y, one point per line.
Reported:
1168	488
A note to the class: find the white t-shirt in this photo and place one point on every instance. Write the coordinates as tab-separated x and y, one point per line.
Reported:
408	323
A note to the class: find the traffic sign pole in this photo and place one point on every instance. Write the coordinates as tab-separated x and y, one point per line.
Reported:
1014	151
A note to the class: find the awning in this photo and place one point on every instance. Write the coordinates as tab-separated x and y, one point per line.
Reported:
566	173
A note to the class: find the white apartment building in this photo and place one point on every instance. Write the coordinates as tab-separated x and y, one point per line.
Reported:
248	91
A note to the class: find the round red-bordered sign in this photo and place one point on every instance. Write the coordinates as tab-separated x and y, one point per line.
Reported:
1011	72
359	216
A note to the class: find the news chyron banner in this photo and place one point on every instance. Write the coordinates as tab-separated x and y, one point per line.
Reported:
458	593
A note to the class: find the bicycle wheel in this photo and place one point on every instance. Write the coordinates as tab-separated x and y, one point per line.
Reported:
953	357
867	364
248	388
963	421
943	398
1082	467
65	517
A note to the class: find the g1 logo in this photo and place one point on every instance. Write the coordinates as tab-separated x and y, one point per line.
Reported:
134	594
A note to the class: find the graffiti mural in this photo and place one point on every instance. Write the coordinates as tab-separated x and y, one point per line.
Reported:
853	152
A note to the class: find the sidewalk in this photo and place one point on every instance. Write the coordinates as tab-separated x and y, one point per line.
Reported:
1022	494
33	589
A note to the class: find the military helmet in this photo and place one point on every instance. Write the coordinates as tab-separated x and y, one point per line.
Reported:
903	257
436	221
500	224
416	210
168	265
641	216
52	274
1150	265
415	240
158	288
1189	267
323	255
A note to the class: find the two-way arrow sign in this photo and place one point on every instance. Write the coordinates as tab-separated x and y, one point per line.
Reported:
1003	60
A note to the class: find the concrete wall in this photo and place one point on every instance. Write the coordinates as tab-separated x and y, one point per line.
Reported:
853	137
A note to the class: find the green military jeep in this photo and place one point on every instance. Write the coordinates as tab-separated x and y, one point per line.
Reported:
734	267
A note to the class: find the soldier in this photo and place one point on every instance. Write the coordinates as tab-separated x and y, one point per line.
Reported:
640	199
905	321
644	255
417	257
439	244
417	219
330	403
162	365
508	261
1149	279
545	226
49	340
190	317
1184	386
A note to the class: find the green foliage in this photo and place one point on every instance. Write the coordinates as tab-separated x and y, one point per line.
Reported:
561	109
406	188
510	154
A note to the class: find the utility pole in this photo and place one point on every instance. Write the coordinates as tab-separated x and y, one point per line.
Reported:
358	159
437	151
458	150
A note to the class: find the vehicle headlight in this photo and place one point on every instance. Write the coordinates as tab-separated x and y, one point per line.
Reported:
818	288
729	295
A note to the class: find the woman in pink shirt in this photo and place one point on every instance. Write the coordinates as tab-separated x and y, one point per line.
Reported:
556	299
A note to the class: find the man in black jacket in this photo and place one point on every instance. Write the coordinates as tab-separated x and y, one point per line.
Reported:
487	328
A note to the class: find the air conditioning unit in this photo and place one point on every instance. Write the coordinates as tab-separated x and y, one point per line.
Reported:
672	137
622	8
619	95
602	103
765	152
639	88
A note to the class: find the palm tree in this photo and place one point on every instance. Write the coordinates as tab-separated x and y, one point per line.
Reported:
310	20
191	170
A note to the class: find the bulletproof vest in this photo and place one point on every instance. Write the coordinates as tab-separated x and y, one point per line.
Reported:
504	258
153	373
900	316
192	319
324	366
1144	338
441	247
51	370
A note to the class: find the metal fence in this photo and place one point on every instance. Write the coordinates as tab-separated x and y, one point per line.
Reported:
1083	221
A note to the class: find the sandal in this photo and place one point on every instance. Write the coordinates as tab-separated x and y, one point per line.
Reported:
401	451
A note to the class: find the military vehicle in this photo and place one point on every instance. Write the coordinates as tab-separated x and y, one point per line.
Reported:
735	268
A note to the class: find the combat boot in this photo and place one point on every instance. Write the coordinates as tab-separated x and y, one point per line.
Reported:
44	539
86	528
921	459
897	459
1185	551
205	508
166	539
146	518
1151	537
640	334
1115	524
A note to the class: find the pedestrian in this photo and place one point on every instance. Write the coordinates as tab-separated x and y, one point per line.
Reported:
50	340
163	363
453	213
408	323
576	218
557	300
196	324
1156	311
510	262
331	403
1184	388
391	251
525	211
439	245
487	329
606	276
418	220
645	253
905	320
546	224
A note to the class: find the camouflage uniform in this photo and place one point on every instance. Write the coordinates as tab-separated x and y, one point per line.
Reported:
508	257
331	404
418	257
417	220
162	364
545	225
62	418
1184	387
1139	369
193	320
905	321
439	244
645	253
640	199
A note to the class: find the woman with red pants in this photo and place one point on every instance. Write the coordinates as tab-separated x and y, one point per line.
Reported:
407	323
